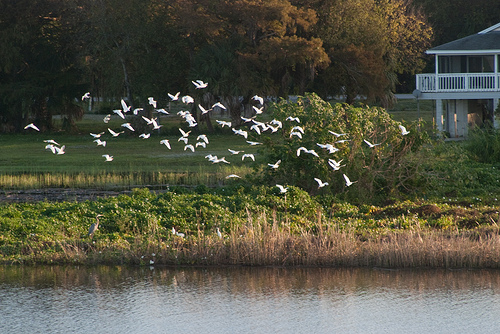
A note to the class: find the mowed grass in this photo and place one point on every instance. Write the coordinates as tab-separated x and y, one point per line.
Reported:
26	163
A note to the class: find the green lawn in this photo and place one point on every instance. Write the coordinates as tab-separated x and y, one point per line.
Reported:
26	154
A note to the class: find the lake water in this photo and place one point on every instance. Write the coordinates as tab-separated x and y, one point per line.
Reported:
123	300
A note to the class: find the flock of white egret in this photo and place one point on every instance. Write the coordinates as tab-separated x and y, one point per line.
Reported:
202	140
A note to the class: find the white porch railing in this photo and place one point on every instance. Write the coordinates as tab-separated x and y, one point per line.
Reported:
458	82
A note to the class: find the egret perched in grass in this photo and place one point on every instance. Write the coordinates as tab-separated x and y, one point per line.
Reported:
94	227
219	234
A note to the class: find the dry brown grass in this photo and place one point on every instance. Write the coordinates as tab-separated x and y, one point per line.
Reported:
262	244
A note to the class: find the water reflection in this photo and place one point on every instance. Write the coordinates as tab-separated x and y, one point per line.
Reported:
247	300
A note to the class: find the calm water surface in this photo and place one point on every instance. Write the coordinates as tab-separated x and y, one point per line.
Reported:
247	300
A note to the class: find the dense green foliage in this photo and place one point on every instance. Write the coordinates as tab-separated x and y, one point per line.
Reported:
382	171
53	51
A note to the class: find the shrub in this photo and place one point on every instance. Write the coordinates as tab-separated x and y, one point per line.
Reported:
384	170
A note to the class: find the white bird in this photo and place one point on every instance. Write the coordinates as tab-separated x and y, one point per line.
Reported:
125	107
256	128
187	99
60	150
106	118
201	143
370	144
321	184
293	119
174	97
334	164
337	134
342	141
298	128
347	181
136	110
179	234
108	157
223	123
404	132
275	165
96	135
184	139
253	143
281	188
145	135
220	105
51	141
166	143
148	120
241	132
156	126
215	160
296	133
258	111
331	149
32	126
217	229
203	110
258	99
189	146
152	101
234	152
199	84
202	137
305	150
162	111
277	123
248	155
119	113
128	126
184	133
233	176
115	134
86	96
100	142
50	147
244	119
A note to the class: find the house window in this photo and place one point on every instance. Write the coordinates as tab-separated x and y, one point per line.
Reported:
480	64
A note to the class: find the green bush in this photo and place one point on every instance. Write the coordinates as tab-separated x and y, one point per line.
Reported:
384	170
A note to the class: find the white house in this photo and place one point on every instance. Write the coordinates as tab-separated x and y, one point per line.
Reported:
466	82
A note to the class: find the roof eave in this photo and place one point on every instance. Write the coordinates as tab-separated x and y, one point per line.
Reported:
462	52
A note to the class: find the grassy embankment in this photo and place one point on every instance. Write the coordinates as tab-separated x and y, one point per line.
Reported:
452	222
